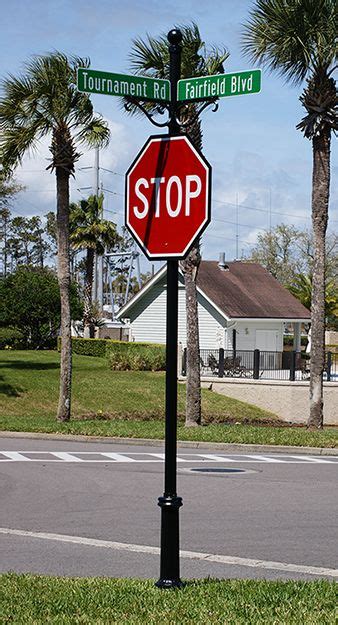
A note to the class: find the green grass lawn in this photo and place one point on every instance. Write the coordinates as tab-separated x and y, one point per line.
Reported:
28	599
128	404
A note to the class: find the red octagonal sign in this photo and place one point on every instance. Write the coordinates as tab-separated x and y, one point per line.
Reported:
168	196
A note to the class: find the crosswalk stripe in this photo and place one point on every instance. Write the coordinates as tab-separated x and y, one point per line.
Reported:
64	455
15	455
117	457
161	457
152	457
312	459
265	458
215	458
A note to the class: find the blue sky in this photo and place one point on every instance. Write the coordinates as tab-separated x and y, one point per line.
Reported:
262	166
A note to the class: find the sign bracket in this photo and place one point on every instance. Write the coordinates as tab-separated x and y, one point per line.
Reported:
161	109
173	116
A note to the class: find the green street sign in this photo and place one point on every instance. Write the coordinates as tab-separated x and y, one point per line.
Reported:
219	86
140	87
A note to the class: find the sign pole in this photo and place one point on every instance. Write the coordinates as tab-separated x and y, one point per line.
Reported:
170	503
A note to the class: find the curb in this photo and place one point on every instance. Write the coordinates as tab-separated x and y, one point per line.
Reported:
153	442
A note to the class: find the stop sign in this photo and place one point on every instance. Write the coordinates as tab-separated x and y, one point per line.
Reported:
168	196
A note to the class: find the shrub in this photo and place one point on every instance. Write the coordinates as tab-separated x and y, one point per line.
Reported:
11	338
288	340
90	347
124	356
87	347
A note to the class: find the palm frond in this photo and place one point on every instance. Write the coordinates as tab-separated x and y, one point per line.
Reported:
291	37
319	98
87	229
16	141
45	100
150	56
95	133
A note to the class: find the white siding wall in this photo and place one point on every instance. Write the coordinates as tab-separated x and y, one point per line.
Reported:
148	318
246	333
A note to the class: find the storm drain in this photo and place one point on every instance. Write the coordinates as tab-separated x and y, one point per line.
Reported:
216	470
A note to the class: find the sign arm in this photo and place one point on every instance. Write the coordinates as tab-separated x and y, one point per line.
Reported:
192	120
130	102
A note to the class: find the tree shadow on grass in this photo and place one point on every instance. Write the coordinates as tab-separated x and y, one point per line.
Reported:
9	389
30	364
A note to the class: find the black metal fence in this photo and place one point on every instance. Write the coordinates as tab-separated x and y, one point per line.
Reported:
257	364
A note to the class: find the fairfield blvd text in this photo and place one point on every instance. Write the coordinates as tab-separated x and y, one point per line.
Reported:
218	86
93	81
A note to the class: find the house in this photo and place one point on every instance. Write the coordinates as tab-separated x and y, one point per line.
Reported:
240	306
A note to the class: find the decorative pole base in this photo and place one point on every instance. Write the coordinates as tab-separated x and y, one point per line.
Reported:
170	562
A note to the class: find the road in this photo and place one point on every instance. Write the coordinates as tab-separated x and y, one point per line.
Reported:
78	508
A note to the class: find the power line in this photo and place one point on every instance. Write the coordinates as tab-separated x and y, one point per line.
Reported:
217	236
214	200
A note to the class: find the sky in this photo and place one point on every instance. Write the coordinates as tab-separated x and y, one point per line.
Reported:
262	165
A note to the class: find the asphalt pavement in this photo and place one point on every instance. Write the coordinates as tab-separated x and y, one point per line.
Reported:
85	508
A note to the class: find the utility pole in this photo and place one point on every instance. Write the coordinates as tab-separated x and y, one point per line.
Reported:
237	228
96	281
100	265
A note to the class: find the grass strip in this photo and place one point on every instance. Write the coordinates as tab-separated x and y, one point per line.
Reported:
28	599
129	404
29	384
154	429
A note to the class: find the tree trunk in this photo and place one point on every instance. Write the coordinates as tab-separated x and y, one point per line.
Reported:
190	267
320	200
88	326
62	222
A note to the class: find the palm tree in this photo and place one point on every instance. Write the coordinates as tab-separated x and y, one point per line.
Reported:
301	288
91	233
45	101
151	58
297	38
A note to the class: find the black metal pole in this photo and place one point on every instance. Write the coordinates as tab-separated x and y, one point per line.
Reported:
170	503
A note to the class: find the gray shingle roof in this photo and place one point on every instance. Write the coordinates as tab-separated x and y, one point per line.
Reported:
248	290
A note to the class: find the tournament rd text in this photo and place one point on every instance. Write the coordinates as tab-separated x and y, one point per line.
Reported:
123	85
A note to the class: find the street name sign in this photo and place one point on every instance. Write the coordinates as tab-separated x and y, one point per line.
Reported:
219	86
123	85
168	196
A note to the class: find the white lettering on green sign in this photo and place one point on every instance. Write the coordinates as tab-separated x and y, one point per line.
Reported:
93	81
218	86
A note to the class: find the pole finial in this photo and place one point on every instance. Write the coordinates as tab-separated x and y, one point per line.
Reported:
174	36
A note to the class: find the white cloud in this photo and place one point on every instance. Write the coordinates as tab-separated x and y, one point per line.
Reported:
39	195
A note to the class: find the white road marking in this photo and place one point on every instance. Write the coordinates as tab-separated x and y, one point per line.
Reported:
151	457
285	567
161	457
312	459
66	457
215	458
17	456
260	458
117	457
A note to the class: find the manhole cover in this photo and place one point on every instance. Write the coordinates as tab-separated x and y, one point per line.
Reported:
216	470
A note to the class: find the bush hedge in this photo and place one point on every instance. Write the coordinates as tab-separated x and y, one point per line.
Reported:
11	338
87	347
124	356
288	340
121	355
